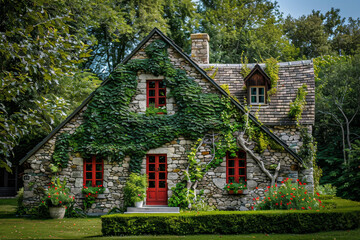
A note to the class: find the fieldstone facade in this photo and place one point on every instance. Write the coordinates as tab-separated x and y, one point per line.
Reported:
38	173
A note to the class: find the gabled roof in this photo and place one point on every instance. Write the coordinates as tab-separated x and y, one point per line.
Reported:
258	69
196	66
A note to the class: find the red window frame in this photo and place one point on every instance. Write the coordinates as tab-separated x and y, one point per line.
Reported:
156	90
90	168
236	167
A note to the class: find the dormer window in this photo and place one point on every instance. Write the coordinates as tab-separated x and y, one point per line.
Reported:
257	84
257	95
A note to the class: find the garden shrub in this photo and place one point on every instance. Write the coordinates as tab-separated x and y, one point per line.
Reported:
229	222
326	189
135	189
289	196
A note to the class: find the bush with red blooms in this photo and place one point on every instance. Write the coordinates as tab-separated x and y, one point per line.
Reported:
290	196
235	186
90	194
57	194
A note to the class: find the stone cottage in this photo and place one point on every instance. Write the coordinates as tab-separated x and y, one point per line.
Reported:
165	164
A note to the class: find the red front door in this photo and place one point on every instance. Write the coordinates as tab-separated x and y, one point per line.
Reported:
156	170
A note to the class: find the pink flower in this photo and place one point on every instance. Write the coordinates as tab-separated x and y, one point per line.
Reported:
139	195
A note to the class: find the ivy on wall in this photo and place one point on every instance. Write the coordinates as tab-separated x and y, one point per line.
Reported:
297	106
111	130
272	70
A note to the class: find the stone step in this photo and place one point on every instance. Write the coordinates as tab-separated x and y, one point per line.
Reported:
153	209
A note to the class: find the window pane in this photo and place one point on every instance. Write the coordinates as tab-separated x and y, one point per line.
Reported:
152	175
151	100
241	163
88	167
241	171
231	171
162	167
88	183
98	167
162	92
151	184
261	99
253	91
162	100
151	167
242	154
253	99
99	175
89	175
242	179
98	182
161	175
231	163
231	179
162	84
162	184
162	159
152	84
261	91
152	93
151	159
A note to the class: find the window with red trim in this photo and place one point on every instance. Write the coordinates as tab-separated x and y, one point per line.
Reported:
156	93
93	171
236	167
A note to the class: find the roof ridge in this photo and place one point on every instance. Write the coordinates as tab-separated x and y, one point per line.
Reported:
281	64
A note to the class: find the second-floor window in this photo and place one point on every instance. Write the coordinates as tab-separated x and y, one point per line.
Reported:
156	93
257	95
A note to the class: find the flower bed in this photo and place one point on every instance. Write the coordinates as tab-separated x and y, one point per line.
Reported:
226	222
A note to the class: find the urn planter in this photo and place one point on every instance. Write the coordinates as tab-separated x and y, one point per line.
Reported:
57	212
139	204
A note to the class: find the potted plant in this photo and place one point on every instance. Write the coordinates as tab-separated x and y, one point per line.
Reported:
135	189
57	196
235	188
90	194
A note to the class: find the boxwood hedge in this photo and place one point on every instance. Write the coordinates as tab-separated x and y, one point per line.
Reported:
232	222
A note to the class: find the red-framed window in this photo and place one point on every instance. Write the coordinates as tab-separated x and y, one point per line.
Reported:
93	171
155	93
236	167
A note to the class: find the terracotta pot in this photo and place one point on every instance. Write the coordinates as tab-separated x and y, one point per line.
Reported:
139	204
57	212
238	192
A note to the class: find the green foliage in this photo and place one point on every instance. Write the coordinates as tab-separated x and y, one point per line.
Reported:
228	222
298	105
112	131
308	149
288	196
152	110
60	158
235	186
326	189
91	194
135	189
57	194
179	197
272	70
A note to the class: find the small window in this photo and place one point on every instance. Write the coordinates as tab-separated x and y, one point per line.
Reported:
93	171
257	95
236	167
156	93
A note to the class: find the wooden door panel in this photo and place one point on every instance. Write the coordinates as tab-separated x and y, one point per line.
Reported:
156	169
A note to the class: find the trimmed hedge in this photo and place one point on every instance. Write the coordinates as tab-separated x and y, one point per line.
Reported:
232	222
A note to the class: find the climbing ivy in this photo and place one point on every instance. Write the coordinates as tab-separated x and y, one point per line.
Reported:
297	107
112	130
272	70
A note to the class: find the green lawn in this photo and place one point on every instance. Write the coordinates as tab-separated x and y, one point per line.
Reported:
21	228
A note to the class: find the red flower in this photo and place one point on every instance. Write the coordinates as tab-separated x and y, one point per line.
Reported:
305	192
309	207
252	207
96	192
304	183
268	186
49	196
276	204
291	199
57	198
253	199
297	180
65	207
245	180
275	185
73	197
302	208
60	201
42	201
318	194
56	188
282	181
231	183
228	186
257	188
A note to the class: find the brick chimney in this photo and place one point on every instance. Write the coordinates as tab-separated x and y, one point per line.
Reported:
200	48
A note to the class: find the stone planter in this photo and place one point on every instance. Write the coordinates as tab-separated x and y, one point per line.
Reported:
57	212
234	193
139	204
